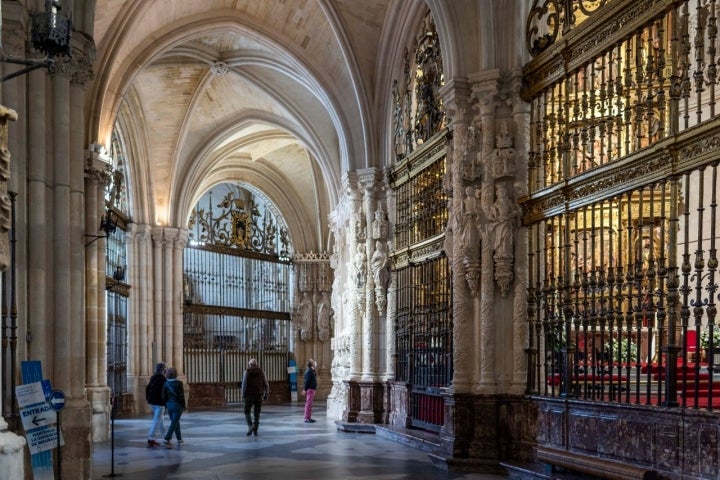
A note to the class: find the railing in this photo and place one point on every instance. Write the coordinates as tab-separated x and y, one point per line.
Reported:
622	208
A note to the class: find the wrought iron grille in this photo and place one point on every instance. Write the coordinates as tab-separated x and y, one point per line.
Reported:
622	210
242	219
421	204
117	343
237	307
423	334
423	322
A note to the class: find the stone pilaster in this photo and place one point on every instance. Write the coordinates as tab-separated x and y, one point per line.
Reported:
168	243
142	342
11	445
313	316
456	97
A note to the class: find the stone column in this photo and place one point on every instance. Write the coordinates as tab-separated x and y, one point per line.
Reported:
369	317
485	90
11	446
67	327
168	243
456	98
98	393
158	322
371	389
175	296
521	326
142	355
38	231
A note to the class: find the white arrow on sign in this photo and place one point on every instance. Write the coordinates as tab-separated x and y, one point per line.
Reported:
57	400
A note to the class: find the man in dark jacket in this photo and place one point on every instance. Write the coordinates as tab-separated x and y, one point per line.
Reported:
309	388
153	396
255	389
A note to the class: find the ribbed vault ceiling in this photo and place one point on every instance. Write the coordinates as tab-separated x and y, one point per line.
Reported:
272	93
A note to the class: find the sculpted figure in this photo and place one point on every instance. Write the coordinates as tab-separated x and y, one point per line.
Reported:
360	264
503	213
470	232
325	315
379	265
306	311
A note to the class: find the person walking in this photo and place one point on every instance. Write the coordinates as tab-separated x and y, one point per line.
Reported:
174	395
154	398
255	389
309	388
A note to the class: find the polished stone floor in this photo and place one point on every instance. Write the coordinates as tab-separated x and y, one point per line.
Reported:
216	448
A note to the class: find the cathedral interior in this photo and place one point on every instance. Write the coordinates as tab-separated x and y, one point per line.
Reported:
492	222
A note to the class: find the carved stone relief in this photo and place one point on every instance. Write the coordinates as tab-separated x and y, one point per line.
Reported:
6	115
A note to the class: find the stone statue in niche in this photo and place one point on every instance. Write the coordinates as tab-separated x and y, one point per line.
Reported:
325	318
360	233
306	318
503	215
470	224
380	227
360	265
379	263
470	232
470	143
503	157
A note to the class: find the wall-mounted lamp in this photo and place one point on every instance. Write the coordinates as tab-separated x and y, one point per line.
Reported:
51	33
108	225
119	273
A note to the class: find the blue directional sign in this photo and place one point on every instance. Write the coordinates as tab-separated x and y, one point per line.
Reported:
57	400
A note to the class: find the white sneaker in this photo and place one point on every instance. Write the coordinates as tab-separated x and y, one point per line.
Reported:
167	444
180	442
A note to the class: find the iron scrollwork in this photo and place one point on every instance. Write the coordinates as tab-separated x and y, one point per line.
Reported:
548	17
240	222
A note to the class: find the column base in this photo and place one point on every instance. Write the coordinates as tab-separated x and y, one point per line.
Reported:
77	452
371	402
12	454
352	394
482	430
99	398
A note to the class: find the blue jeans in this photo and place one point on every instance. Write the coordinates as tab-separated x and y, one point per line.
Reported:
157	427
175	411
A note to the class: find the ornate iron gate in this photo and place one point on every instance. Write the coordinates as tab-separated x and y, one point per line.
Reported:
423	325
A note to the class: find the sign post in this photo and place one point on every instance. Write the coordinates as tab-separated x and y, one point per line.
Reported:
292	371
57	403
